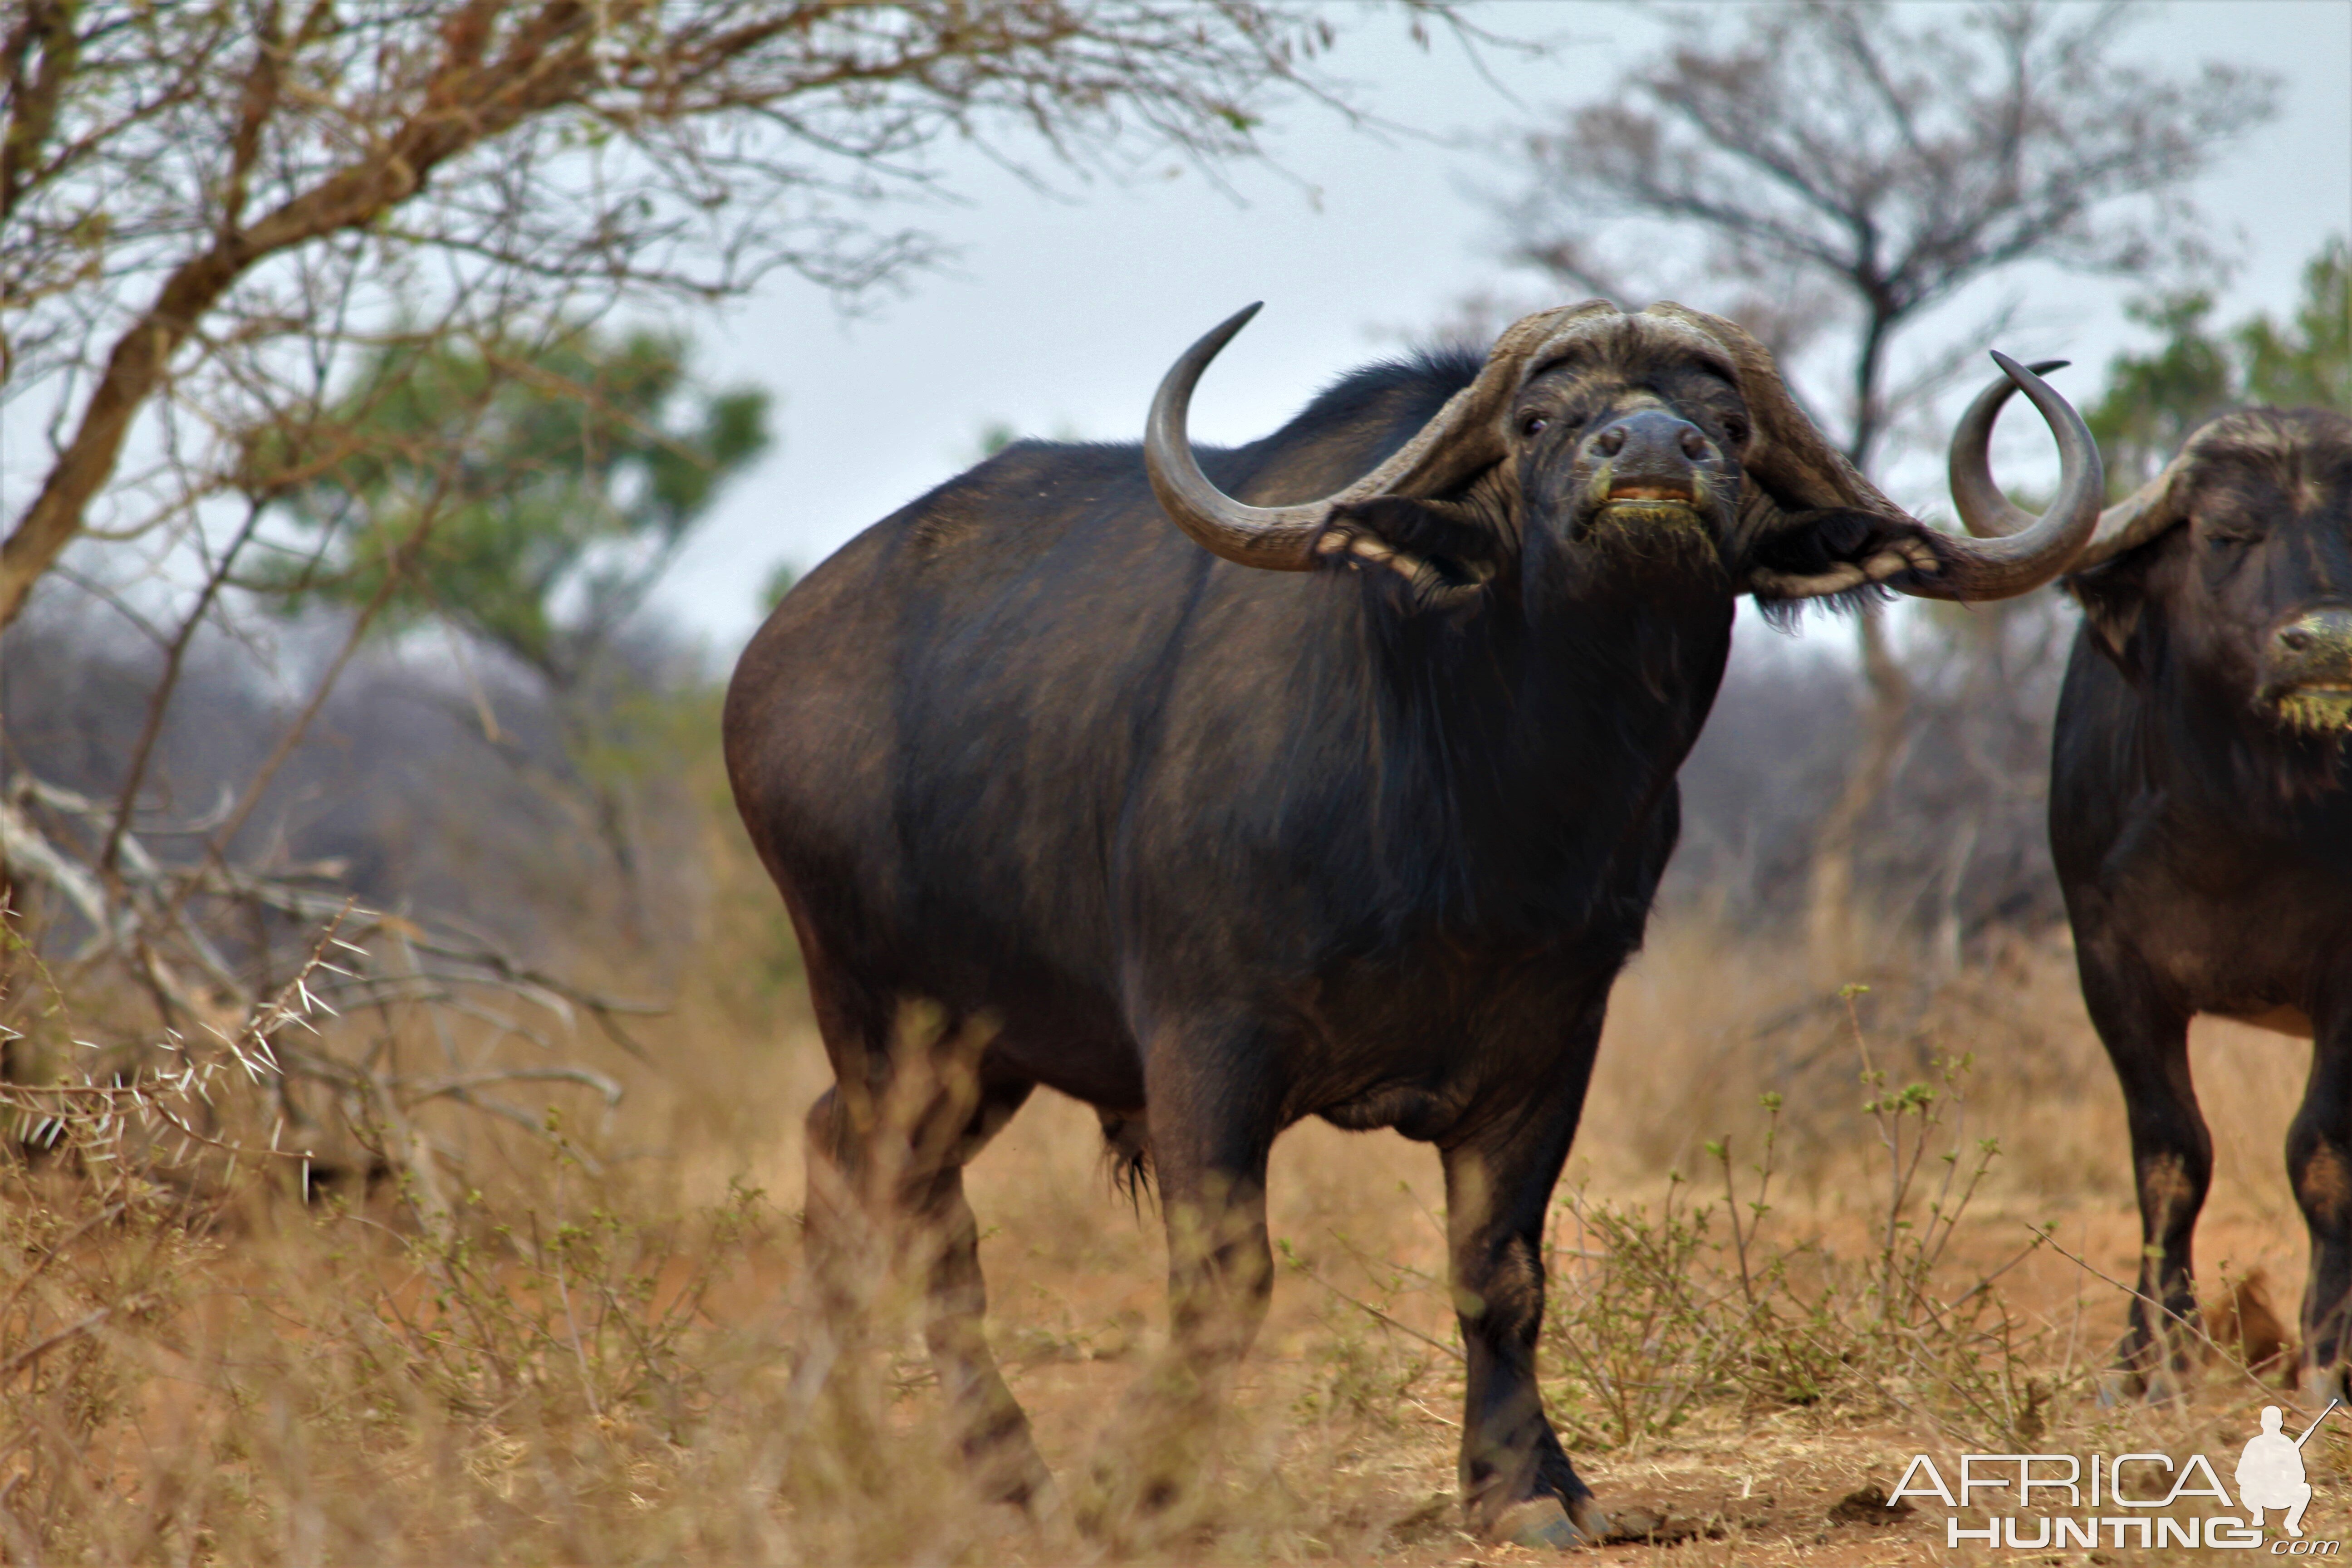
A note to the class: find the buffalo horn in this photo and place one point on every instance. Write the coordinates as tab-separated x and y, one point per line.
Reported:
1451	445
1792	467
1462	437
1279	538
2030	551
1986	513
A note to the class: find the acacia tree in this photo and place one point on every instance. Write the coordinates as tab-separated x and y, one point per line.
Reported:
2155	399
560	476
200	203
1848	168
585	461
230	228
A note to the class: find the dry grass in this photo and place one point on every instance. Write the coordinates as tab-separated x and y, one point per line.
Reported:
608	1360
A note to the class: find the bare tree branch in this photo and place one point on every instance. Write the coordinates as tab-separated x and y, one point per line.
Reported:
1893	161
183	189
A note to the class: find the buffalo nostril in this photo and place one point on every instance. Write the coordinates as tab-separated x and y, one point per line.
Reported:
1694	445
1612	441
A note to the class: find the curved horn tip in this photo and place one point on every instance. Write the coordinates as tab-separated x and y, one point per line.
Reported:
1222	332
1984	509
2023	375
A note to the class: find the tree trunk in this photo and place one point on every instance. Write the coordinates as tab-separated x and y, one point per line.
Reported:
1830	934
1830	927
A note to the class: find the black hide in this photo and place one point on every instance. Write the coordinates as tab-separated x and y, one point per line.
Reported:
2201	820
1214	848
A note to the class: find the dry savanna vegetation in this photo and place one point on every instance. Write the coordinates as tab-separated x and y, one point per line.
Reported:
1807	1231
403	1058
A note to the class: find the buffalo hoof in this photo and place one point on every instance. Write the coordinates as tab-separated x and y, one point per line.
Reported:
1543	1523
2121	1386
1048	1509
1006	1469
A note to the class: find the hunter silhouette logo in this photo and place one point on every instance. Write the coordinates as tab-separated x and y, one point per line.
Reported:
2270	1472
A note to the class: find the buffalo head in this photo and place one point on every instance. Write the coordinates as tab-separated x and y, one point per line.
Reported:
2236	560
1596	443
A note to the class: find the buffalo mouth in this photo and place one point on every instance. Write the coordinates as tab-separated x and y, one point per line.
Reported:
1643	515
2309	666
1636	506
1653	528
1652	490
2308	669
2324	708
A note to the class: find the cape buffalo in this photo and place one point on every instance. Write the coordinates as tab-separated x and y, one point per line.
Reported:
2200	815
1156	802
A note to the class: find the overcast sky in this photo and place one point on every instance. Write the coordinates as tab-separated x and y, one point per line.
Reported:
1059	315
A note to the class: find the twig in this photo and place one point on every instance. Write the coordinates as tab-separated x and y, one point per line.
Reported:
1373	1311
135	772
563	1293
1985	1283
34	1353
52	1251
2189	1323
417	1093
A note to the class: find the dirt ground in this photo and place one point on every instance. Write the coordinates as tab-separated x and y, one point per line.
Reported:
321	1386
1732	1487
1077	1293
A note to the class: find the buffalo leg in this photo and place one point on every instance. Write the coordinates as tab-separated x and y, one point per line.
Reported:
1516	1481
887	1152
2147	1039
993	1431
2319	1164
1211	1133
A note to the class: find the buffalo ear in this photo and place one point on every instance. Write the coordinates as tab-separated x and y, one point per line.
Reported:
1804	546
1458	536
2114	597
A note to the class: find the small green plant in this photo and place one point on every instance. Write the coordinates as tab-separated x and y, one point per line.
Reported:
1370	1360
1793	1354
1637	1332
1911	1124
1657	1313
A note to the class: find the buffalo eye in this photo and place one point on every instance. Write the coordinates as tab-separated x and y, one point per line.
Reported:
1533	425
